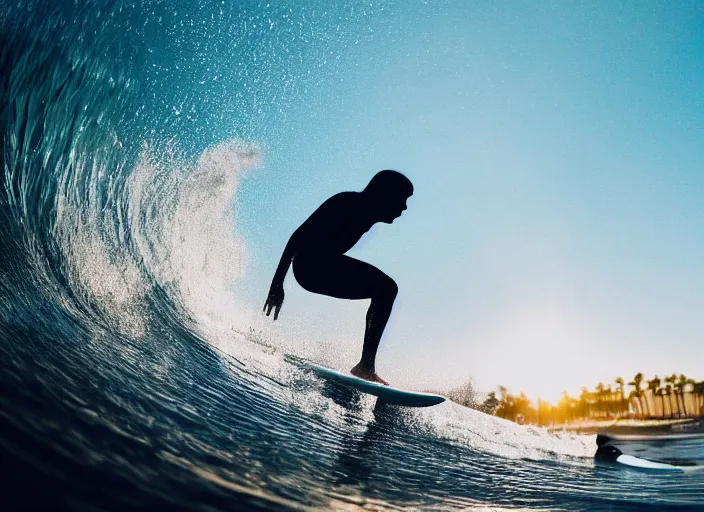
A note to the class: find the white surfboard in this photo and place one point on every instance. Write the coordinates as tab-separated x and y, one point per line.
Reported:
680	451
637	462
387	394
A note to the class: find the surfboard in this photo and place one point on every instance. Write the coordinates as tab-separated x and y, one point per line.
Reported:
386	394
649	452
678	449
637	462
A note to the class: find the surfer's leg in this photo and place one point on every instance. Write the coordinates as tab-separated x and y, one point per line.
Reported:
377	316
347	278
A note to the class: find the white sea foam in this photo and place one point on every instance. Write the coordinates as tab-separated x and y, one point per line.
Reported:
182	214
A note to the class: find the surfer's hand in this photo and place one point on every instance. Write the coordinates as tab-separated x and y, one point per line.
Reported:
275	300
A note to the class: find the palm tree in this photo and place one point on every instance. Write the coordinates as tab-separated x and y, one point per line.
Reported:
599	396
665	392
654	388
686	385
636	383
671	380
585	402
699	392
619	390
609	398
679	393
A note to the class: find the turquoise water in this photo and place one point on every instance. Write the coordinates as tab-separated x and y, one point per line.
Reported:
121	386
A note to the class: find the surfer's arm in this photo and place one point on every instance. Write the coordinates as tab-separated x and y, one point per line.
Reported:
286	258
310	236
275	298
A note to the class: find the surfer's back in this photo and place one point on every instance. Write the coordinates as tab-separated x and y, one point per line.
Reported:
336	226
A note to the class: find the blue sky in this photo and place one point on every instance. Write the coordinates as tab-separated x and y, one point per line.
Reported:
555	237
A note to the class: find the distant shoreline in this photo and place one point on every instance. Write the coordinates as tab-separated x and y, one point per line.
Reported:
632	426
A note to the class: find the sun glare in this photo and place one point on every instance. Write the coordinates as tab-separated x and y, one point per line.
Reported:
540	347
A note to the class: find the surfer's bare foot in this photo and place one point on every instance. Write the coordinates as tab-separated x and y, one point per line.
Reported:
363	373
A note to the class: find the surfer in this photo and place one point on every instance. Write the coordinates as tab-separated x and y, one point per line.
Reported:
316	250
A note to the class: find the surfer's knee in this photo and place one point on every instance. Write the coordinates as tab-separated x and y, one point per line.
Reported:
387	289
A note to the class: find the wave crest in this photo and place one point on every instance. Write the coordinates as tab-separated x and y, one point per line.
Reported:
103	227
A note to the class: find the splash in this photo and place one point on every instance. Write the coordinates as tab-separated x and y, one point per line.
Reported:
178	225
183	215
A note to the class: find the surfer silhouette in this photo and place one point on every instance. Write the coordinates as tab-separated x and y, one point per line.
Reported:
316	250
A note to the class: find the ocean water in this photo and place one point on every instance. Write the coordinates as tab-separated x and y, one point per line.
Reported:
127	128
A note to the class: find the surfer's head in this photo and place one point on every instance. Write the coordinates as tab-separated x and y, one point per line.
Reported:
387	193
